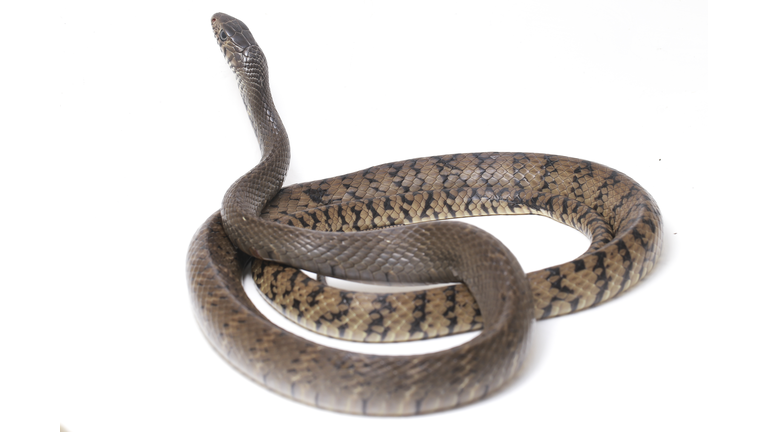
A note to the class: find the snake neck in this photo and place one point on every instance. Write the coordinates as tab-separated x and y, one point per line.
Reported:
243	201
253	81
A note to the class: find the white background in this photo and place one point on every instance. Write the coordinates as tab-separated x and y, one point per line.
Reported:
122	128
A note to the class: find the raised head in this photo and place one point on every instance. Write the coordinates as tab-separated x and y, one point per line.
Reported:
235	40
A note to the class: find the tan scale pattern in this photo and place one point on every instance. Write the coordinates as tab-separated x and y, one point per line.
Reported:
341	204
365	316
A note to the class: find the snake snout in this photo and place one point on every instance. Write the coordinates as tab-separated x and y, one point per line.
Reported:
233	37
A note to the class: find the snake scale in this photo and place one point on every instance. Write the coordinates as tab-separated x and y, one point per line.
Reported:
379	225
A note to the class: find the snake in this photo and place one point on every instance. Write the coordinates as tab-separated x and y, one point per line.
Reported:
386	224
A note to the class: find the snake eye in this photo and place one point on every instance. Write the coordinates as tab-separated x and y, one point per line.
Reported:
223	35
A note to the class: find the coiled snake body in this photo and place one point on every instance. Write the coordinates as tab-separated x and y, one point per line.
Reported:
260	220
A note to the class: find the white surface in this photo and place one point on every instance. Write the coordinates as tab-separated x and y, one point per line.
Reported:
128	124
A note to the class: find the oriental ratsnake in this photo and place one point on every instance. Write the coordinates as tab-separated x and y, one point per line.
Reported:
380	224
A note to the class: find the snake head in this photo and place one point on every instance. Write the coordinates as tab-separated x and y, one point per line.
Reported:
235	40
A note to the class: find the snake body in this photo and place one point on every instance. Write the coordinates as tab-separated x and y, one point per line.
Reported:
380	225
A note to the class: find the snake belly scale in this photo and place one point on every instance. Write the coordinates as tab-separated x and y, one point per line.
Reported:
380	225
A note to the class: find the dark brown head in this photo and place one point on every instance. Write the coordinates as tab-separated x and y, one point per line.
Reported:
235	40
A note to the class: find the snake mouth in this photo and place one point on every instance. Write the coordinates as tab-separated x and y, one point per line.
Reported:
234	38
